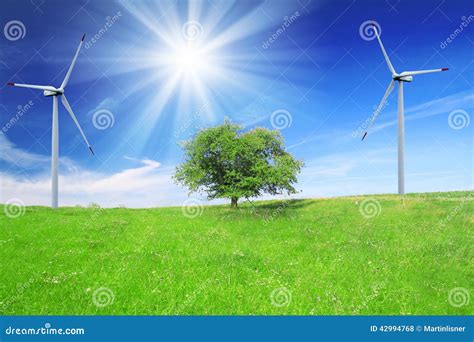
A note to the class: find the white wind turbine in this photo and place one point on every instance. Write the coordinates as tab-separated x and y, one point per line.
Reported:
406	76
55	92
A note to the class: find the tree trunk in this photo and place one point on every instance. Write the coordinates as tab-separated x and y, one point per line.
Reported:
233	203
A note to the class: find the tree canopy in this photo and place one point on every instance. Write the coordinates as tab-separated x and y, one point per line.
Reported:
224	162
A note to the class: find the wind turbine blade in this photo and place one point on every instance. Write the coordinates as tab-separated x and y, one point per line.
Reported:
390	66
66	79
420	72
379	108
69	110
31	86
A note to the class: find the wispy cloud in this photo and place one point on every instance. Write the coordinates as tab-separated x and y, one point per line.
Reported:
440	106
18	158
344	174
342	165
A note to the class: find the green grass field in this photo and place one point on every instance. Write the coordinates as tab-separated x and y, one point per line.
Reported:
303	257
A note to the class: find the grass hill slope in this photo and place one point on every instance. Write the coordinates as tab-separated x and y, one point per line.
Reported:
363	255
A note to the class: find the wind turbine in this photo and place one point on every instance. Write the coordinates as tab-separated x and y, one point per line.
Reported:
55	92
406	76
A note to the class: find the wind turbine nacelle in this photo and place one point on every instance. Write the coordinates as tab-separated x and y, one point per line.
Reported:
403	78
406	78
50	93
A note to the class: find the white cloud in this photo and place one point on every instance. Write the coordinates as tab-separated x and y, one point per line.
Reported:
147	185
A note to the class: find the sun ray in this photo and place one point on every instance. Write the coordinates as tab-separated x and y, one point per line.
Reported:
195	76
147	19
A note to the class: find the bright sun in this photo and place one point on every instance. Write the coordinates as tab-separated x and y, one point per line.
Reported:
190	60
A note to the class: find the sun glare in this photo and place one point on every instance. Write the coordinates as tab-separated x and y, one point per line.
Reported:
187	61
190	60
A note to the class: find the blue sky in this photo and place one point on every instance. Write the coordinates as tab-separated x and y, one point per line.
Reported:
159	71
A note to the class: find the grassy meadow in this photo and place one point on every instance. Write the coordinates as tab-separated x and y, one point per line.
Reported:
366	255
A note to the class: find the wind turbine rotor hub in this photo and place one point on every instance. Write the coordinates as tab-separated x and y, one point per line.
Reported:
48	93
400	77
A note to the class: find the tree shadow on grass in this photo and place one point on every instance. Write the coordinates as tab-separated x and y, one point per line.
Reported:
272	205
267	210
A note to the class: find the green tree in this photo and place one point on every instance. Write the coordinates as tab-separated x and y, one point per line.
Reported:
224	162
